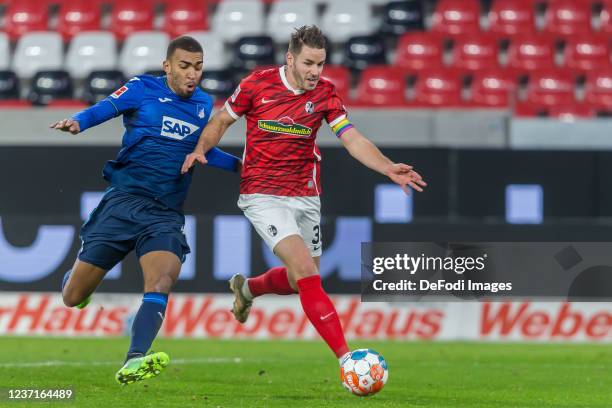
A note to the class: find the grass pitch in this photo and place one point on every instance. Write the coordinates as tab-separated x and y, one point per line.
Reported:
228	373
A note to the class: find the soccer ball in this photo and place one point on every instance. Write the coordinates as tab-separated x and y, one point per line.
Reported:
364	372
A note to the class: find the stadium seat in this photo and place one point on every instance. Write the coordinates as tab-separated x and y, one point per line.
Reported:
419	51
456	17
182	16
130	16
382	86
508	18
220	84
285	15
215	56
363	51
475	52
238	18
340	76
402	16
586	53
76	16
49	85
347	18
605	17
253	51
37	51
547	88
100	84
25	16
88	51
9	85
438	88
529	53
143	51
493	88
571	112
598	90
565	18
5	51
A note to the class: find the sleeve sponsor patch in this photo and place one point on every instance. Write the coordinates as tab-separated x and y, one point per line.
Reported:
119	92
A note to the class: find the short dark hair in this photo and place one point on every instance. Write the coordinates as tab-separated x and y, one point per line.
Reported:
311	36
183	43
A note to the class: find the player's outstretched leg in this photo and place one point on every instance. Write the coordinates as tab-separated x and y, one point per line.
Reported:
316	304
273	281
160	269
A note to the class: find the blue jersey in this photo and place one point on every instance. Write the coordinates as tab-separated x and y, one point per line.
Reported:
161	128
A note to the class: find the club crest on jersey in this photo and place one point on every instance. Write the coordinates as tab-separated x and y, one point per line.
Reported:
309	108
177	129
285	126
201	111
119	92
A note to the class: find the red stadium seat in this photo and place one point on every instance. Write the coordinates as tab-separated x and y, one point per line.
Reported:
586	53
551	87
438	88
129	16
15	103
565	18
419	51
493	88
76	16
382	85
529	53
508	18
455	17
25	16
598	90
475	52
183	16
340	77
571	112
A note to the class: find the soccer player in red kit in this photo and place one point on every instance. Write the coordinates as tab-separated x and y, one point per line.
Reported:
280	179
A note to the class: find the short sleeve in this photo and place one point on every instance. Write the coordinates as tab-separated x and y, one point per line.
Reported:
336	111
129	96
241	100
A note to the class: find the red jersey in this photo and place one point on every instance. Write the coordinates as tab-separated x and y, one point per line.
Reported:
280	155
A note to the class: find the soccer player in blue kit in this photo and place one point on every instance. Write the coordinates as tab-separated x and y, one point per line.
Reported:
142	209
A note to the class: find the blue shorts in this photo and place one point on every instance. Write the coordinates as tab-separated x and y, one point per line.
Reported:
124	221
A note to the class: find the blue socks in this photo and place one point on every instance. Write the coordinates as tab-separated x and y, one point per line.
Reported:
147	322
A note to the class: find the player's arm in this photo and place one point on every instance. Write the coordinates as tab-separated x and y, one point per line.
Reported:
223	160
210	137
370	156
126	98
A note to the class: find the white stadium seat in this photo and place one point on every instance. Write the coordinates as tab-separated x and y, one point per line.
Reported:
347	18
5	51
286	15
91	51
143	51
36	51
215	56
238	18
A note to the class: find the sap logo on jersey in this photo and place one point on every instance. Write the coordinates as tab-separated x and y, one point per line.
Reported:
177	129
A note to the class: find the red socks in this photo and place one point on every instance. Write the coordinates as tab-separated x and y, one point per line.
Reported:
274	280
322	314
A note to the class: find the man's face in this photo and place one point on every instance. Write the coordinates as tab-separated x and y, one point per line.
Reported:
184	71
306	67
